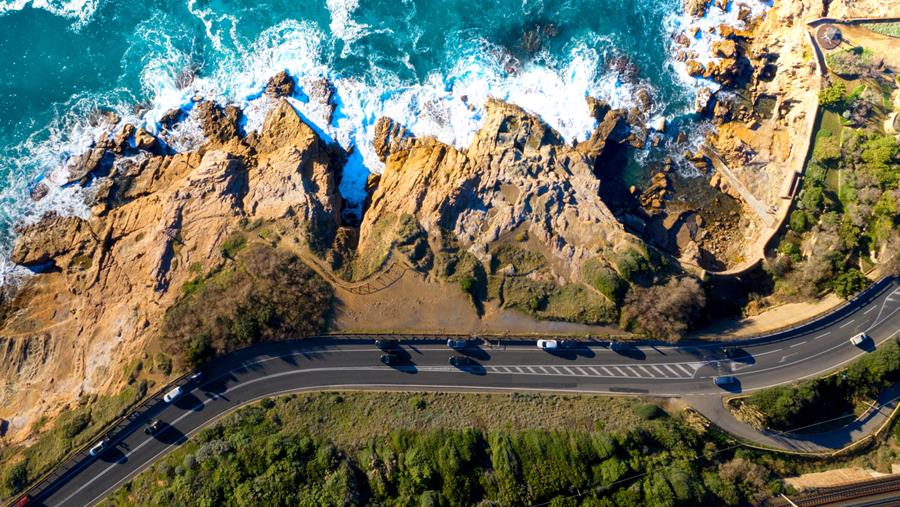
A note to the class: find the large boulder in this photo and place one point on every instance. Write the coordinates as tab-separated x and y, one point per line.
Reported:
219	124
280	85
54	239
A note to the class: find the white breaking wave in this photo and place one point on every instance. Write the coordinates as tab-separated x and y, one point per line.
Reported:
80	10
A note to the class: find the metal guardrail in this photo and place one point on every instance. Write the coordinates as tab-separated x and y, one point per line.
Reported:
113	431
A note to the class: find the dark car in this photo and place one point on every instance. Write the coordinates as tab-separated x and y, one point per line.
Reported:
569	344
153	427
457	344
460	361
390	359
387	344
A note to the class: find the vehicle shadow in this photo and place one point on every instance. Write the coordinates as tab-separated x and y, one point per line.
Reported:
739	355
188	401
630	351
868	345
734	387
113	455
169	434
475	352
473	369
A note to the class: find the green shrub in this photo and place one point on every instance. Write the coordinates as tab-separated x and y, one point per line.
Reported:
605	280
812	199
849	283
648	411
827	151
266	294
791	249
849	62
800	221
76	424
16	477
233	245
832	97
880	153
632	265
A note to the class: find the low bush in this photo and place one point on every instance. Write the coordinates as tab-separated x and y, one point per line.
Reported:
832	97
664	312
265	294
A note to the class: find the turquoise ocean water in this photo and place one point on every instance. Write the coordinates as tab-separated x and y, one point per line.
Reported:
413	60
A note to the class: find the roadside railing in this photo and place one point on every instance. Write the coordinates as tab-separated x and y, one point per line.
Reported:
113	431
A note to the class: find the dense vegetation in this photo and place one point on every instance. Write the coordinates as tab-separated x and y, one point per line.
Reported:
259	456
847	214
262	294
664	312
814	401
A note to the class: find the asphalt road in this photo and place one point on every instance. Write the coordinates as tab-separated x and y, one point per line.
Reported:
515	365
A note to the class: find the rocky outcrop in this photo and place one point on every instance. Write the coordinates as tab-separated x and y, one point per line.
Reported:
280	85
219	124
54	239
296	173
156	222
517	174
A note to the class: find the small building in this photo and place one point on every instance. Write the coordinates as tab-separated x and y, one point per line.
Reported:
829	37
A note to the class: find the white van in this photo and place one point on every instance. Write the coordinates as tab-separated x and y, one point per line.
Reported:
173	395
859	339
98	448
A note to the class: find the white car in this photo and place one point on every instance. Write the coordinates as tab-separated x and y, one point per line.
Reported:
173	395
547	344
98	448
859	339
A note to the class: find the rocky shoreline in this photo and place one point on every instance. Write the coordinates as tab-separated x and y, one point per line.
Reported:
542	224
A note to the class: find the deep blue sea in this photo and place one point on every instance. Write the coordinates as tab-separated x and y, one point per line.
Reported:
413	60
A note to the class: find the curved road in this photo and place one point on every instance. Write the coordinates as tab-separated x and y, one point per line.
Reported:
646	369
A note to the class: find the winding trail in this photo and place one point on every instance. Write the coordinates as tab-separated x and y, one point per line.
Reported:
513	365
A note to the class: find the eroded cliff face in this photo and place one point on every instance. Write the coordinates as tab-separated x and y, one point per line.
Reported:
156	222
517	175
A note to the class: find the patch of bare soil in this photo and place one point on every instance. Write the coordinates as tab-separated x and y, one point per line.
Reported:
416	305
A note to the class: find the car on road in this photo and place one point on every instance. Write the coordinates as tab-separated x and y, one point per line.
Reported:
25	500
196	377
153	427
390	359
547	344
173	395
859	339
569	344
618	346
98	447
457	344
387	344
724	380
460	361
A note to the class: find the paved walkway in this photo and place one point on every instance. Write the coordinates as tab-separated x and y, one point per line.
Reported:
829	442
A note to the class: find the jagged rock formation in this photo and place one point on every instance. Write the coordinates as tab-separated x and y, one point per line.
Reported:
518	174
156	221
